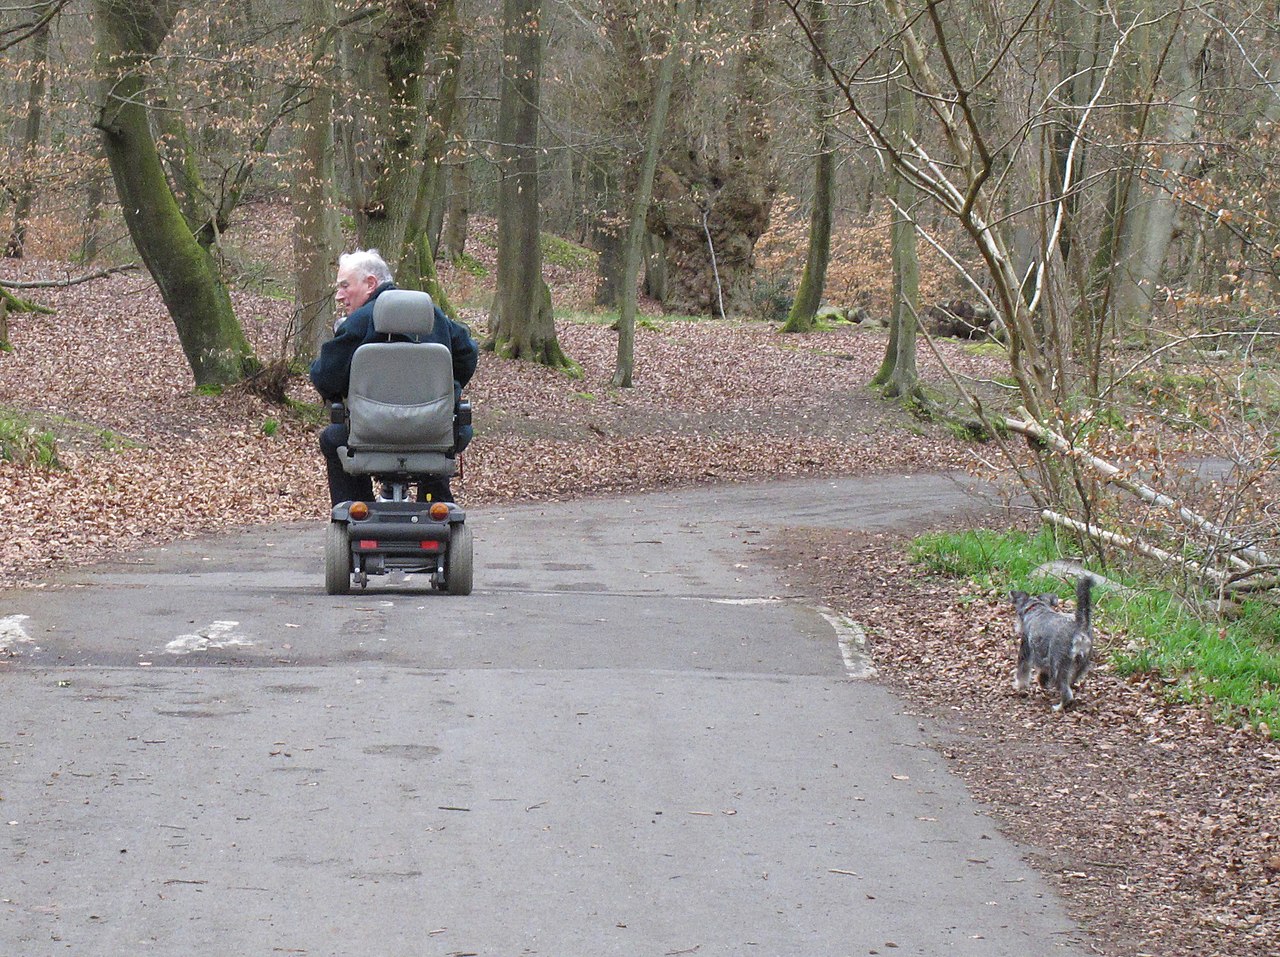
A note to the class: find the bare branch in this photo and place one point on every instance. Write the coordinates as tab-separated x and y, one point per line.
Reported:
1105	537
60	283
1239	551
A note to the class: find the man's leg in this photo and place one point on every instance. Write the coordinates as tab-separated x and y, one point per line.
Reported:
435	487
343	487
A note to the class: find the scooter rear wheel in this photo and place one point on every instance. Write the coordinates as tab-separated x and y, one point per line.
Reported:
337	559
458	565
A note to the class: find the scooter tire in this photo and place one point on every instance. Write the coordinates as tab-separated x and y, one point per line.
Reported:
459	567
337	559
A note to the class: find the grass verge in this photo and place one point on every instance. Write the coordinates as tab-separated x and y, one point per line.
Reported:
21	441
1232	666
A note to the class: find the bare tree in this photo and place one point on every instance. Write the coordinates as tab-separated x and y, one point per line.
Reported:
36	85
717	178
809	294
397	62
640	203
316	236
521	323
128	33
897	374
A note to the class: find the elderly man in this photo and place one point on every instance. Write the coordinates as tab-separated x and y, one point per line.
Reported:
363	275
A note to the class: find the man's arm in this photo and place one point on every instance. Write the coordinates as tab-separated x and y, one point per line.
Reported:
331	371
465	351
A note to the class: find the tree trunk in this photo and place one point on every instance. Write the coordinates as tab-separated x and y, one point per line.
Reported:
640	202
453	237
424	269
976	210
31	138
626	92
456	200
316	234
605	229
400	99
127	34
521	324
655	267
425	223
809	296
713	195
897	374
1150	226
91	235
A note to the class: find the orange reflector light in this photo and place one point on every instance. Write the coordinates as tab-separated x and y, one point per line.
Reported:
439	511
430	546
359	511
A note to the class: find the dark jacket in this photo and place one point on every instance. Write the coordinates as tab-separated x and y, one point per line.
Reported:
331	371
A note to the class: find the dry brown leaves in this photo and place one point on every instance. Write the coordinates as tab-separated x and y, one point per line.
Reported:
1158	825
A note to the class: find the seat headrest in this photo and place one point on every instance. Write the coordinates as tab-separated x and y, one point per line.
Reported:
404	312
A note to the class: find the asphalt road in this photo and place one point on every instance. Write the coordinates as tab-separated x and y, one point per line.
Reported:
629	740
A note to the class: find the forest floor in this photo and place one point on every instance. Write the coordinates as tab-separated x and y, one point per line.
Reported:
1157	825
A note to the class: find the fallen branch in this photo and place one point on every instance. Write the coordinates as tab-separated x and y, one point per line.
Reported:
11	303
1241	586
1105	537
59	283
1242	556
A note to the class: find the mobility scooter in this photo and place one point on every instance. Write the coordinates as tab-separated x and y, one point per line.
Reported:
401	411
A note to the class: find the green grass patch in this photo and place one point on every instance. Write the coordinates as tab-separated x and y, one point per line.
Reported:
23	442
587	317
992	559
986	348
471	266
311	414
556	251
561	252
113	441
1233	666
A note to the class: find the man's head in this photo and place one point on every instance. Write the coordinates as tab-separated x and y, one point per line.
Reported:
359	274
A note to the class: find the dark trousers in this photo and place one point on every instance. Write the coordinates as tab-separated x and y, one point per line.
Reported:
344	487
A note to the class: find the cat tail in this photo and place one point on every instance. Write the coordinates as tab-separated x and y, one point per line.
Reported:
1084	600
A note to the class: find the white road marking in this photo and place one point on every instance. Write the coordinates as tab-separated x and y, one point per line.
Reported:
853	644
218	634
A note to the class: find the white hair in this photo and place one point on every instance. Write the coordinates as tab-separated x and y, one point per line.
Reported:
366	262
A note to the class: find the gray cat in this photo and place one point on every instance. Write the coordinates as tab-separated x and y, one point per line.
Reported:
1055	647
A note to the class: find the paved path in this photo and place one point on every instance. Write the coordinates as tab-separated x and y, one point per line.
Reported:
627	741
